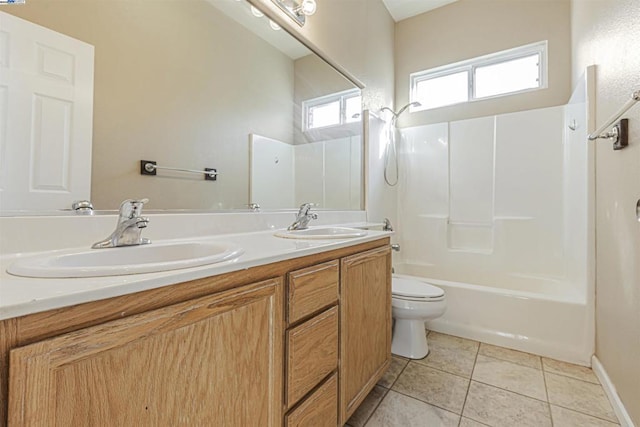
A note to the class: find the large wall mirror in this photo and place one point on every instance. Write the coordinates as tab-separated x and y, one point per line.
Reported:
90	88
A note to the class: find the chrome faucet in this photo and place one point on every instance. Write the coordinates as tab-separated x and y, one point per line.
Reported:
303	217
130	225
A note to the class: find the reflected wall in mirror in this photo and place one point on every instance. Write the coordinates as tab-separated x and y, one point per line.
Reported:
182	83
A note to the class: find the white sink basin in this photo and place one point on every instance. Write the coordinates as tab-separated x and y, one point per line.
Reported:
124	260
322	233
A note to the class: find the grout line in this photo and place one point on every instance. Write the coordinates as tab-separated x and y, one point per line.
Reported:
475	361
588	415
546	393
428	403
512	362
377	405
479	422
387	390
440	370
570	377
511	391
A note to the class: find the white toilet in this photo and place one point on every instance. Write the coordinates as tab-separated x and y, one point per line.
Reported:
413	302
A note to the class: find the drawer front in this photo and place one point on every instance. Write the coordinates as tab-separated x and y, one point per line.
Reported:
312	354
312	289
318	410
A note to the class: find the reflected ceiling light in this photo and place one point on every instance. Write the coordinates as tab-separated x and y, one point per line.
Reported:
274	26
307	7
256	12
298	10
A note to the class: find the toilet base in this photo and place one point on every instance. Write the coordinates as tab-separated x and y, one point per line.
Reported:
409	339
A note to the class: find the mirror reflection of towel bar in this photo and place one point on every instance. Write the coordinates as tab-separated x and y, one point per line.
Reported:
149	167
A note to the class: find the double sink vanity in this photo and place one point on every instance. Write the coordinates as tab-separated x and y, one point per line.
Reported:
260	328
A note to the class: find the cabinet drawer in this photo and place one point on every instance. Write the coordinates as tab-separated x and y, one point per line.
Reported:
318	410
312	354
312	289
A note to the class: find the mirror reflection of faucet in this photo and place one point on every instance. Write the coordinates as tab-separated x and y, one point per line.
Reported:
303	217
129	228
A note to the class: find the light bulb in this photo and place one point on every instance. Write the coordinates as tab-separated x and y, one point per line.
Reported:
274	26
256	12
308	7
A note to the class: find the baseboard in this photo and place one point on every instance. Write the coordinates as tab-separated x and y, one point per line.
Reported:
612	394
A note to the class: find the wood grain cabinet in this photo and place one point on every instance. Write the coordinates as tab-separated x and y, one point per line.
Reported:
211	361
365	332
299	342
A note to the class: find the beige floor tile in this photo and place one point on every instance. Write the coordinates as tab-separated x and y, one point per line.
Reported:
567	418
510	376
398	410
498	408
366	408
397	365
433	386
514	356
468	422
578	395
451	354
569	370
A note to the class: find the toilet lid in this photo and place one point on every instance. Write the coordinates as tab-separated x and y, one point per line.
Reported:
414	288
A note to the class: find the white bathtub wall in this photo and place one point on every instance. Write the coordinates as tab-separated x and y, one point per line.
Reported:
329	173
272	158
579	183
471	189
343	173
309	171
483	199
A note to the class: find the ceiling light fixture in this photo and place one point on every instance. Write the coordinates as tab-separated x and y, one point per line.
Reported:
298	10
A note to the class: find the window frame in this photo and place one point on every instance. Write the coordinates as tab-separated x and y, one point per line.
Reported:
470	66
341	96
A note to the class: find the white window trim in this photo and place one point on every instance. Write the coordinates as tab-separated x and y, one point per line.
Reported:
326	99
470	65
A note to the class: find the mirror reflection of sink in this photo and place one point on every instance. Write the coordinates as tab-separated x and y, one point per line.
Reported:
322	233
124	260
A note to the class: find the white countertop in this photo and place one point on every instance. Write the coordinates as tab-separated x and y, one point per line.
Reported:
23	295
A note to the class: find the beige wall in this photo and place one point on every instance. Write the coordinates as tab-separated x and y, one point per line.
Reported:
358	35
470	28
607	33
176	82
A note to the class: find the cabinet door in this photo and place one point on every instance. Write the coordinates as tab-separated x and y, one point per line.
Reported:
365	325
215	360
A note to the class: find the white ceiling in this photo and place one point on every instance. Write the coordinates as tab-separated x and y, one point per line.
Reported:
403	9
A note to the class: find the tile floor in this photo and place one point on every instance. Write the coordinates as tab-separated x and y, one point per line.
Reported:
464	383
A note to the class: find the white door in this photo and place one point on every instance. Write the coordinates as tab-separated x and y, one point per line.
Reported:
46	113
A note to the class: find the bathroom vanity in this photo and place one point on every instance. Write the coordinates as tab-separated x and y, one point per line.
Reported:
290	342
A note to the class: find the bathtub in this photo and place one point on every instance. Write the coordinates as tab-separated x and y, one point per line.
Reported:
539	317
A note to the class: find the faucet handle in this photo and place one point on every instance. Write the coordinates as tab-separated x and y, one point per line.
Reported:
132	208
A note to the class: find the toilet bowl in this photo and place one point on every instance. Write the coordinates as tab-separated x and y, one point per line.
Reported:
413	302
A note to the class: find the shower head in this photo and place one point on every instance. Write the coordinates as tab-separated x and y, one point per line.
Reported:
396	114
411	104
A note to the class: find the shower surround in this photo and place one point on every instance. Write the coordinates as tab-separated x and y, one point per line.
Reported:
495	210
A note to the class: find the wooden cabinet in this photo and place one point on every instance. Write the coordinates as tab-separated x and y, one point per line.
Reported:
312	354
318	410
312	289
365	316
299	342
214	360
